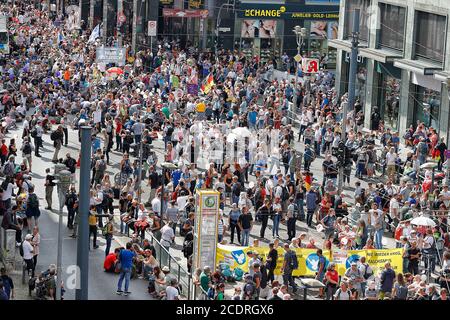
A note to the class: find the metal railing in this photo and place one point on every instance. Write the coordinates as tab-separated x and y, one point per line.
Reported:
164	258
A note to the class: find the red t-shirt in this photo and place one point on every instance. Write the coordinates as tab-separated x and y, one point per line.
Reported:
118	126
333	275
4	150
109	261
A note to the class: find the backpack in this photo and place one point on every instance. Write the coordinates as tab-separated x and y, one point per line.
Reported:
211	293
423	148
237	189
21	249
102	166
26	148
402	293
188	248
33	133
250	289
368	272
293	261
8	169
284	193
53	136
33	201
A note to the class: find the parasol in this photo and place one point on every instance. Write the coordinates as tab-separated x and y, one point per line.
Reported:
423	221
242	132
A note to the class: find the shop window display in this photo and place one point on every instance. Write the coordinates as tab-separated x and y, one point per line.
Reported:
258	38
320	31
391	101
428	104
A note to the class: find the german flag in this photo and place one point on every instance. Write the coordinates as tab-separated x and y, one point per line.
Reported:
308	182
207	84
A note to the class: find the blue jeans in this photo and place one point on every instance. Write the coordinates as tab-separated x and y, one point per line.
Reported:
124	273
301	210
359	169
245	237
363	289
137	139
317	147
378	238
276	224
108	239
123	227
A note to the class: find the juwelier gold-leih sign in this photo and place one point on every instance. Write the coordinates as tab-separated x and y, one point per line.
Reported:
288	11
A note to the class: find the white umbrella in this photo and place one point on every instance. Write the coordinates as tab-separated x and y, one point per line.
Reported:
231	137
428	165
423	221
242	132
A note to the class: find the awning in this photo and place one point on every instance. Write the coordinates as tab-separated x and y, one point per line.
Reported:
417	66
379	55
443	76
340	44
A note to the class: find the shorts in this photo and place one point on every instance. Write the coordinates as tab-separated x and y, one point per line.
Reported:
390	170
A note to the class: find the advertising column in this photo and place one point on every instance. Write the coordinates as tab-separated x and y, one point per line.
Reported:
205	232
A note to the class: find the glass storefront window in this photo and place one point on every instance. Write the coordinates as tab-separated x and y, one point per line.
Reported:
428	104
320	31
392	26
430	37
361	78
350	6
389	91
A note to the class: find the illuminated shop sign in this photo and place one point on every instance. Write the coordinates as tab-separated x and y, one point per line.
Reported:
288	11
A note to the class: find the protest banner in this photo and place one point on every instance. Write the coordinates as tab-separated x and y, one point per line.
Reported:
236	257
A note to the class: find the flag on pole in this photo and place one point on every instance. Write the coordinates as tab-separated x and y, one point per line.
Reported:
94	34
207	84
308	182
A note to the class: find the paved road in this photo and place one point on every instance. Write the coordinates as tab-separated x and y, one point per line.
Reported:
101	284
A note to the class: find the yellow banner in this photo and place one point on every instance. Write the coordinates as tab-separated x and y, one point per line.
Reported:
236	257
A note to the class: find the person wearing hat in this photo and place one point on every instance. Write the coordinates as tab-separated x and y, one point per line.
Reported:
28	254
205	279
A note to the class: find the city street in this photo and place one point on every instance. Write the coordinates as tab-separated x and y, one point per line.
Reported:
102	285
318	137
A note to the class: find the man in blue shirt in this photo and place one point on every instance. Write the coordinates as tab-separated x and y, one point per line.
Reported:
126	262
311	205
176	176
252	115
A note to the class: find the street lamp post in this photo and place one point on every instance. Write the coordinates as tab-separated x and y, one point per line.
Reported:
64	180
165	166
351	87
140	167
218	24
300	34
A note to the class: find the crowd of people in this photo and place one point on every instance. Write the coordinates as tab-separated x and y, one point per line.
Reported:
225	125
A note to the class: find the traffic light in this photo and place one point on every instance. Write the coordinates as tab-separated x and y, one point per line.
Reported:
340	154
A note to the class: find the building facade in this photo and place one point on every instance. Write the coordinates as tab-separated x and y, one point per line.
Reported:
403	61
266	28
